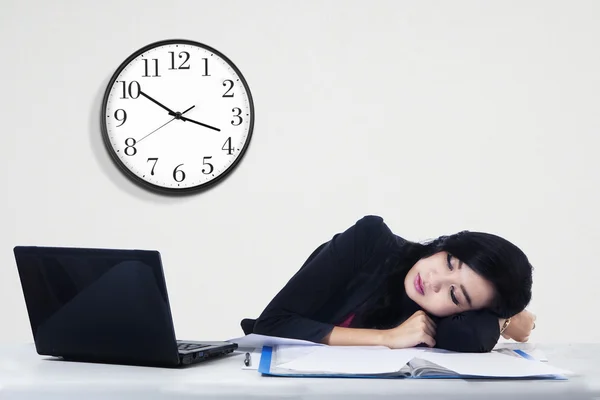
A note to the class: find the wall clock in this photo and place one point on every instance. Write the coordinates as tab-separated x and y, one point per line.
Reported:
177	116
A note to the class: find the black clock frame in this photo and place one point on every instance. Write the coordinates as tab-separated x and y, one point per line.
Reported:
142	182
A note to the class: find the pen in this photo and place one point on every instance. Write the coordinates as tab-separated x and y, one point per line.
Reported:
247	360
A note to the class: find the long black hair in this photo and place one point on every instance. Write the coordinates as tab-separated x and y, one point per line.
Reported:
490	256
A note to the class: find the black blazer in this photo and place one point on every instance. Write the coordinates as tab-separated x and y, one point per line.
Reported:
343	273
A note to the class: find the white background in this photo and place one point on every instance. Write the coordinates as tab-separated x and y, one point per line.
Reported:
437	115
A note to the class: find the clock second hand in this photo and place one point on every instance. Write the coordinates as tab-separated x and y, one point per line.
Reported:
166	123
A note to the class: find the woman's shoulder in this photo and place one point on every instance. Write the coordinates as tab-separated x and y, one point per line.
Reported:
375	224
373	231
371	221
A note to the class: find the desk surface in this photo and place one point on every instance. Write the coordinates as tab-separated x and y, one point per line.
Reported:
26	375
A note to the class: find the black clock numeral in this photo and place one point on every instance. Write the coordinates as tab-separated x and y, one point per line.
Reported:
155	159
123	119
210	166
229	149
130	150
133	89
181	55
178	173
230	82
238	116
206	67
146	75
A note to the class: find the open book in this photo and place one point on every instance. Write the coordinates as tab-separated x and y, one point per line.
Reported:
382	362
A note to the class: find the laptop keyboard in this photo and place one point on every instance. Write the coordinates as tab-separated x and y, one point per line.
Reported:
182	346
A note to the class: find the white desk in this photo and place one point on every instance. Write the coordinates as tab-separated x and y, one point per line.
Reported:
26	375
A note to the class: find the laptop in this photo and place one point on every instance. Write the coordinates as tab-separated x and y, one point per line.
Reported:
105	306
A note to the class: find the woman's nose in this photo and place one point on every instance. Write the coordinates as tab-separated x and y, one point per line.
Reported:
434	281
438	281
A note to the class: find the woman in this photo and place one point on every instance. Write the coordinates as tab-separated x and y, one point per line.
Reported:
368	286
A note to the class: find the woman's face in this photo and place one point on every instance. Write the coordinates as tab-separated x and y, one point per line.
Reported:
443	285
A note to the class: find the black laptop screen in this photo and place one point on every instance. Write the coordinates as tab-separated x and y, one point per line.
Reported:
67	289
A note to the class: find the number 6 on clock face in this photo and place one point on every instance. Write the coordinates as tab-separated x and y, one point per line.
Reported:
177	116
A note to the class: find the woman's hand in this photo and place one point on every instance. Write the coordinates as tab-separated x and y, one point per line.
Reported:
520	327
417	329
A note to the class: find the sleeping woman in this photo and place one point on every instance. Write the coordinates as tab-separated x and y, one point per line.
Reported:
368	286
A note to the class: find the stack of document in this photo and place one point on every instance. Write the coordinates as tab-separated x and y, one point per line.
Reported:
285	357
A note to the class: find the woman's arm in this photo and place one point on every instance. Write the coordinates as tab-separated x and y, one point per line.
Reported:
469	332
326	271
418	329
340	336
479	331
520	326
475	331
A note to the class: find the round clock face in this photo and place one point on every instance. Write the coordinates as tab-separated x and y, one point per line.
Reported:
177	116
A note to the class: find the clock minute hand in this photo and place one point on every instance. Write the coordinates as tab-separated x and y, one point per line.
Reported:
185	119
157	103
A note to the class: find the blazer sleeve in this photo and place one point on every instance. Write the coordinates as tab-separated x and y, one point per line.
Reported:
474	331
328	269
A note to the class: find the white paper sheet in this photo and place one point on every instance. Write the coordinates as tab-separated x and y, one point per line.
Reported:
491	364
349	360
254	341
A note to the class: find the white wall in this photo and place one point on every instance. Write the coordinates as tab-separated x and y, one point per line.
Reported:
439	116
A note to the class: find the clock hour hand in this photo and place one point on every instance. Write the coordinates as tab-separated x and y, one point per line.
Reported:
185	119
157	103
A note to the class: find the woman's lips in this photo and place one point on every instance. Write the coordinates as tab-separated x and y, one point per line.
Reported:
419	284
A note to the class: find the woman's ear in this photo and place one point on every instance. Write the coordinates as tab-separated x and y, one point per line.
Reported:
475	331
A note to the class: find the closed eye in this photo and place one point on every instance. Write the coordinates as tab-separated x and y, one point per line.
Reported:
452	295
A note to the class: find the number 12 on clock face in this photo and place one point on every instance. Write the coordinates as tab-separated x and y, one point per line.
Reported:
177	116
